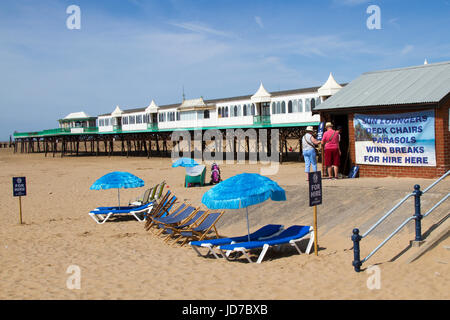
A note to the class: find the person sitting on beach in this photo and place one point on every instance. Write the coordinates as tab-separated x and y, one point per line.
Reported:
309	152
332	152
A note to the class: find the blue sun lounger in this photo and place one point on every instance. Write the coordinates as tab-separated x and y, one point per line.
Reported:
264	232
291	236
102	215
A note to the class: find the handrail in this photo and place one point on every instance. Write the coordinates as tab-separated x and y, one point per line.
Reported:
436	182
417	193
387	215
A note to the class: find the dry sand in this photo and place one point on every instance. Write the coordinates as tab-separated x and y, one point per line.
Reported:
120	260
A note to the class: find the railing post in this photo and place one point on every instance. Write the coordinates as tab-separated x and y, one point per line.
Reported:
356	256
417	215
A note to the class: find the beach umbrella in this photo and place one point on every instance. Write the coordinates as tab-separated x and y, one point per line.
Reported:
242	191
184	162
117	180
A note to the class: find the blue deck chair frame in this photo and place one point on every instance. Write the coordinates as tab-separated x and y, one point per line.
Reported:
269	230
102	215
291	235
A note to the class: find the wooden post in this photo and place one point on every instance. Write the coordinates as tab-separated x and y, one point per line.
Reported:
315	232
20	209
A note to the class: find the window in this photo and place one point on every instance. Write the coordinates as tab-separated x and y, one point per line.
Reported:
101	122
178	116
235	111
244	110
132	119
274	108
318	101
239	112
139	118
300	105
106	121
226	112
253	109
295	106
206	114
283	107
188	115
290	107
278	107
307	105
313	103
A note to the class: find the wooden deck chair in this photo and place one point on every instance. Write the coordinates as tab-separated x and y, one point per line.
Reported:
174	214
157	208
202	229
172	230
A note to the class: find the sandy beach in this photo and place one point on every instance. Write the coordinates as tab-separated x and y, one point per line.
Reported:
120	260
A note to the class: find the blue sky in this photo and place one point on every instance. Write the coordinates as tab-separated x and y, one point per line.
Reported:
129	52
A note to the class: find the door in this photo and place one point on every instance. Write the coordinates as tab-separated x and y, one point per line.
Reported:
341	120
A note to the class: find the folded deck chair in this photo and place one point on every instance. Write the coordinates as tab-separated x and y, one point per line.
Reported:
264	232
158	207
156	195
202	228
141	200
185	218
101	216
160	203
164	208
171	229
291	236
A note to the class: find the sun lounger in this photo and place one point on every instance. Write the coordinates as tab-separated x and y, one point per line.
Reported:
202	228
184	219
291	236
269	230
101	216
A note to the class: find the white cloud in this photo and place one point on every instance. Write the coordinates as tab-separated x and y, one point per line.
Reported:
259	22
407	49
202	28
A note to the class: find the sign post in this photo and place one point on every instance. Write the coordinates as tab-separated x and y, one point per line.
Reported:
315	199
19	190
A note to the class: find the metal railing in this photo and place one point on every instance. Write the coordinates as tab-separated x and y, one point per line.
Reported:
417	193
261	120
